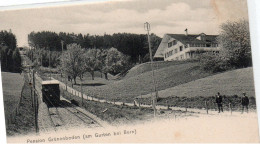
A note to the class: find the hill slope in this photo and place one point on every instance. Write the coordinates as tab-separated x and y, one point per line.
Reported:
233	82
128	88
145	67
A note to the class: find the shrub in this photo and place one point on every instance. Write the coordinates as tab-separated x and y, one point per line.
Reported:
213	63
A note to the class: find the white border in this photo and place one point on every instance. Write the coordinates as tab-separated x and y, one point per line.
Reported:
254	17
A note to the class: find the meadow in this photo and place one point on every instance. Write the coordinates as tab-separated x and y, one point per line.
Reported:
140	83
19	113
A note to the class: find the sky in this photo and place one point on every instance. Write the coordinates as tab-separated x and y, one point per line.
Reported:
118	16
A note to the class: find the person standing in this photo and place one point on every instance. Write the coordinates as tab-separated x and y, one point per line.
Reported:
244	102
219	102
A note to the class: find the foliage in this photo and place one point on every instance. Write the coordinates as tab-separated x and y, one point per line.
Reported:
115	61
17	61
234	39
45	40
93	61
133	45
10	56
213	63
73	61
235	49
8	39
44	58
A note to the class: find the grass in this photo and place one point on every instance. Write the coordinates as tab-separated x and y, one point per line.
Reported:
145	67
114	114
117	115
233	82
194	94
128	88
24	121
199	102
12	86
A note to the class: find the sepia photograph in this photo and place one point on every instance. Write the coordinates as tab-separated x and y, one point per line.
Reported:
138	71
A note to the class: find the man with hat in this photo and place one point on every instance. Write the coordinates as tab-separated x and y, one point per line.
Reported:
244	102
219	102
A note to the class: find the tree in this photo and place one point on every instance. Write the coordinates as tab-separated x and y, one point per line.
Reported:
93	61
73	61
235	49
17	61
234	40
115	62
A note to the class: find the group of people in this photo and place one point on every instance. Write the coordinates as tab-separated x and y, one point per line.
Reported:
244	102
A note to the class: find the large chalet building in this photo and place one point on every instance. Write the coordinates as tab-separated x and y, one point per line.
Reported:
185	46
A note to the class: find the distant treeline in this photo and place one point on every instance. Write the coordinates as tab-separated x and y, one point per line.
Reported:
10	56
133	45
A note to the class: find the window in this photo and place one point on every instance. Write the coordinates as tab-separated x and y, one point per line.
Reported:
186	45
208	45
165	56
181	56
181	47
169	44
177	58
176	50
171	52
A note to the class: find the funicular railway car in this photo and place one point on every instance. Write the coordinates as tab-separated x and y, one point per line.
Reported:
51	92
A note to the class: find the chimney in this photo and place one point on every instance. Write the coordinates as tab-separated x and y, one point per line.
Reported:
186	30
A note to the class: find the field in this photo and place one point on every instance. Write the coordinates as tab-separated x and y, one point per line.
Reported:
145	67
194	94
12	86
181	84
118	115
23	121
132	86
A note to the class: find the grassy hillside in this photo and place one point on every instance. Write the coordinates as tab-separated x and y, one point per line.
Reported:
145	67
231	84
12	86
23	122
128	88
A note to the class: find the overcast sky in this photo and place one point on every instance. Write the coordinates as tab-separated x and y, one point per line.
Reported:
165	16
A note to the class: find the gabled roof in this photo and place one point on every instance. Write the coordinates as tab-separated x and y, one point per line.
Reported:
192	39
185	39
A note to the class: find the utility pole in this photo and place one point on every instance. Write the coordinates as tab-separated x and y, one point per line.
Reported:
49	57
81	92
35	103
62	42
148	28
50	60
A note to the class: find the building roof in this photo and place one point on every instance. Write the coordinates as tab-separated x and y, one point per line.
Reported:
50	82
185	39
192	39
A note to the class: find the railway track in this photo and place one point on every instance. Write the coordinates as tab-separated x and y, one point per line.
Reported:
65	115
92	123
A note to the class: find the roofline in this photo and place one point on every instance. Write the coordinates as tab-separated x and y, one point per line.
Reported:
50	82
190	34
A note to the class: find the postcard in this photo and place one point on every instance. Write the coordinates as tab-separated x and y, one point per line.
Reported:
133	71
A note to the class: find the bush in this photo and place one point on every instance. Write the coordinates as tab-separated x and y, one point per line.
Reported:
213	63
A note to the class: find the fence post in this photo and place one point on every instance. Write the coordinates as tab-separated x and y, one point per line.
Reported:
206	104
168	106
230	108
